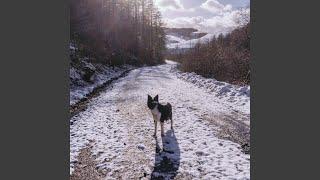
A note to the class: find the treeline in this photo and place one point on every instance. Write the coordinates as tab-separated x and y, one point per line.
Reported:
118	31
225	58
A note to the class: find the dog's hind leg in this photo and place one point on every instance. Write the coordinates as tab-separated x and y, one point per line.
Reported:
171	121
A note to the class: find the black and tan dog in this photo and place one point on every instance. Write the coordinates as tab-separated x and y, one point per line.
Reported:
159	112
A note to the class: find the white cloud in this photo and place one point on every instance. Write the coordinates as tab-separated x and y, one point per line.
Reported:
184	22
169	4
209	16
222	23
216	7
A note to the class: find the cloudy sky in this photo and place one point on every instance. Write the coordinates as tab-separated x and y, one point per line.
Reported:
212	16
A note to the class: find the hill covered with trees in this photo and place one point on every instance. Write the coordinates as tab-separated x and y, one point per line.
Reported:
117	32
224	57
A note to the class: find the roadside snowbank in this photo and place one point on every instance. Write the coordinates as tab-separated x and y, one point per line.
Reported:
79	88
238	97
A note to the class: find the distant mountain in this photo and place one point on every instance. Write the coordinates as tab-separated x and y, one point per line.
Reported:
184	38
184	33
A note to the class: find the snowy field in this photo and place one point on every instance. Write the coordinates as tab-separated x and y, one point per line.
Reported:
120	127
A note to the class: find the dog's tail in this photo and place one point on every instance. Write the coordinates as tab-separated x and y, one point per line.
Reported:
170	111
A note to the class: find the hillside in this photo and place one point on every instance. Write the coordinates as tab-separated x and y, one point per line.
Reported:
184	33
183	37
224	57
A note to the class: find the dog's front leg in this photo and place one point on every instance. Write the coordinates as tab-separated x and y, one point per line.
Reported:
155	126
162	134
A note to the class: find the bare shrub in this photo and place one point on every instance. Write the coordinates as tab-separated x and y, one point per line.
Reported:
226	57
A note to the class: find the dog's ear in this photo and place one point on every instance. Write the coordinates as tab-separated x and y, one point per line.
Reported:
156	98
149	98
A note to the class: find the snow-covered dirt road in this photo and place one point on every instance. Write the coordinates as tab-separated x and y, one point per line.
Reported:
119	127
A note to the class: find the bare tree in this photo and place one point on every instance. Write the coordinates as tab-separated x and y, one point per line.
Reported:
118	30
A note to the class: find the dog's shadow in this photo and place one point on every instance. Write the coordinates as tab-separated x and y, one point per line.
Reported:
167	159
